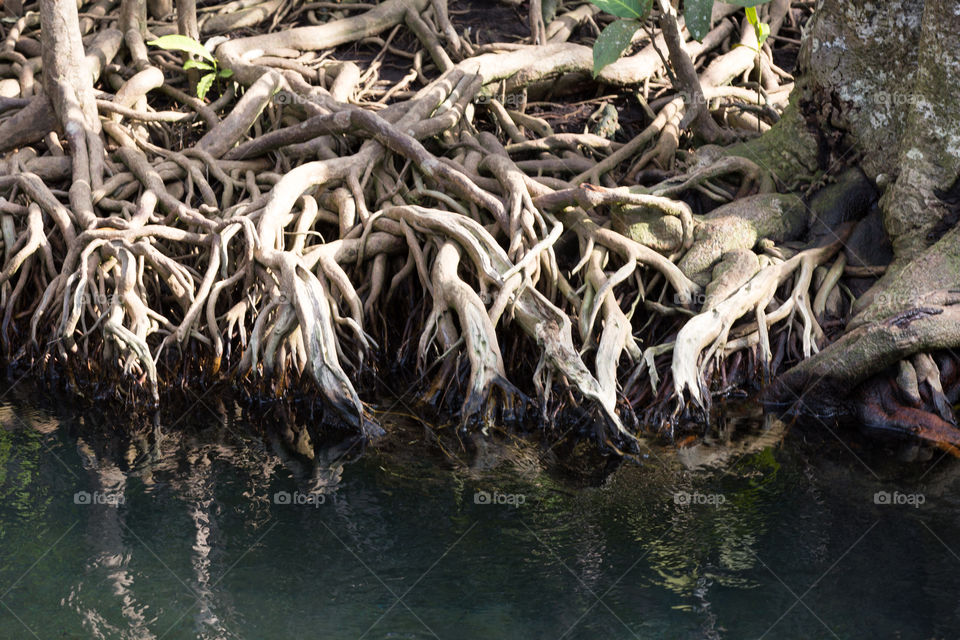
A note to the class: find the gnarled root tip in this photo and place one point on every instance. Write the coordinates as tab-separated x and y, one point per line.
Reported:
881	411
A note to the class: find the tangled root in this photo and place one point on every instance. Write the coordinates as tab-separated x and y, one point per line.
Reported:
273	233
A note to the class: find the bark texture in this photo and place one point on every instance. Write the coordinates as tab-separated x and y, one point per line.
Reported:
902	115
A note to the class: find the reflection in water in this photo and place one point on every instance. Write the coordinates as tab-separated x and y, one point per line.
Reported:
185	535
108	555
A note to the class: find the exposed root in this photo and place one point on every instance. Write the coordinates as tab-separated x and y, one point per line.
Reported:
707	333
278	228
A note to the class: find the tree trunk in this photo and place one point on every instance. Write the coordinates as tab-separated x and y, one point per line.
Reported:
69	85
901	113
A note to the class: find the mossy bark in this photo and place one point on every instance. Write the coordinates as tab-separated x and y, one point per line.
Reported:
648	226
902	111
902	115
789	150
741	225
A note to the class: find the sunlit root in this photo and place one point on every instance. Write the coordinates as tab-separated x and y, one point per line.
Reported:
530	309
483	351
707	332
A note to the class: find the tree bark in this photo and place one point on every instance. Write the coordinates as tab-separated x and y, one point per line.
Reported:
901	113
69	86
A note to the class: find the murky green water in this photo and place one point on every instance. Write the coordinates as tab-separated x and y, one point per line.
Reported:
779	540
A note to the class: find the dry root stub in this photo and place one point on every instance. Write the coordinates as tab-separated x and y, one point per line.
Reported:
276	233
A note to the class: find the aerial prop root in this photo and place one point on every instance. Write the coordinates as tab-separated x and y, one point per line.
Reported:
706	333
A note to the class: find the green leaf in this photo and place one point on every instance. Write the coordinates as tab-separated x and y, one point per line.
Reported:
698	16
226	73
177	42
637	9
762	29
746	3
194	64
612	42
203	86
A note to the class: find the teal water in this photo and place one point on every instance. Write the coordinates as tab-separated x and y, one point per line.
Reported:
781	539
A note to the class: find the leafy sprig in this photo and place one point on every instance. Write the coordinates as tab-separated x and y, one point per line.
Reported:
207	62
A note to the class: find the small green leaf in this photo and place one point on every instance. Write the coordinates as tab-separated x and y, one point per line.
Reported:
763	32
636	9
698	15
746	3
226	73
177	42
612	43
203	86
762	29
195	64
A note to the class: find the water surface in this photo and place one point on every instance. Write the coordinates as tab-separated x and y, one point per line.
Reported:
192	531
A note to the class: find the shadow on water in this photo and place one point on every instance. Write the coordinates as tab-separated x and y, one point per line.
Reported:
220	524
